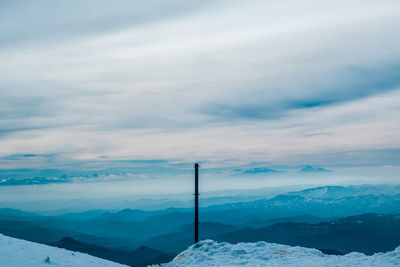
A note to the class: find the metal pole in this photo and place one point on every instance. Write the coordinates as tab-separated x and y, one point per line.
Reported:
196	202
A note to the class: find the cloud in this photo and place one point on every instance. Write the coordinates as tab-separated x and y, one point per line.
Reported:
341	85
237	82
29	22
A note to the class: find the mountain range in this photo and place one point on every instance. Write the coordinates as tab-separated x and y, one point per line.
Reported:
142	256
334	219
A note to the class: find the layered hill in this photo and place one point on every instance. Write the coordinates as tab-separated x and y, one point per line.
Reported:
142	256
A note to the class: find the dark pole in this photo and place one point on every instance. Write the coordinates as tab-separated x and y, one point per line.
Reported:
196	202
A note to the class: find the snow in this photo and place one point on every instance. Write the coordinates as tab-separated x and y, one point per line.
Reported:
20	253
210	253
16	253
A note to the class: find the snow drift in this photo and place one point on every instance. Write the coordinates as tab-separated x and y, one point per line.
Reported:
17	253
210	253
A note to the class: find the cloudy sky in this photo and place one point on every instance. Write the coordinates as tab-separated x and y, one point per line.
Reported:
94	85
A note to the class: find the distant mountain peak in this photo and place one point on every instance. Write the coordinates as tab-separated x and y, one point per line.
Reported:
310	168
260	170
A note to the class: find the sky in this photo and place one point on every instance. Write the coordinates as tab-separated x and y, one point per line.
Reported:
128	89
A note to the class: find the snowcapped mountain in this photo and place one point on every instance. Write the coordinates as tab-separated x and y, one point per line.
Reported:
327	202
336	192
16	253
210	253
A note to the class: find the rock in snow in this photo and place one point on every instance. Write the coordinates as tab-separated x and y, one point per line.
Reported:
20	253
210	253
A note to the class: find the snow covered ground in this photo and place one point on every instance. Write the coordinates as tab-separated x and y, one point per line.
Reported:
20	253
209	253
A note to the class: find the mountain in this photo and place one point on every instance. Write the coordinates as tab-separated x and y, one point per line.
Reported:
127	229
127	215
211	253
335	192
171	230
182	237
15	214
324	202
143	256
30	181
121	226
309	168
260	170
113	230
31	232
82	216
16	253
368	233
298	219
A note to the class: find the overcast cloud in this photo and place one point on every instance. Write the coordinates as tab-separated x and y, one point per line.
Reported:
226	83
